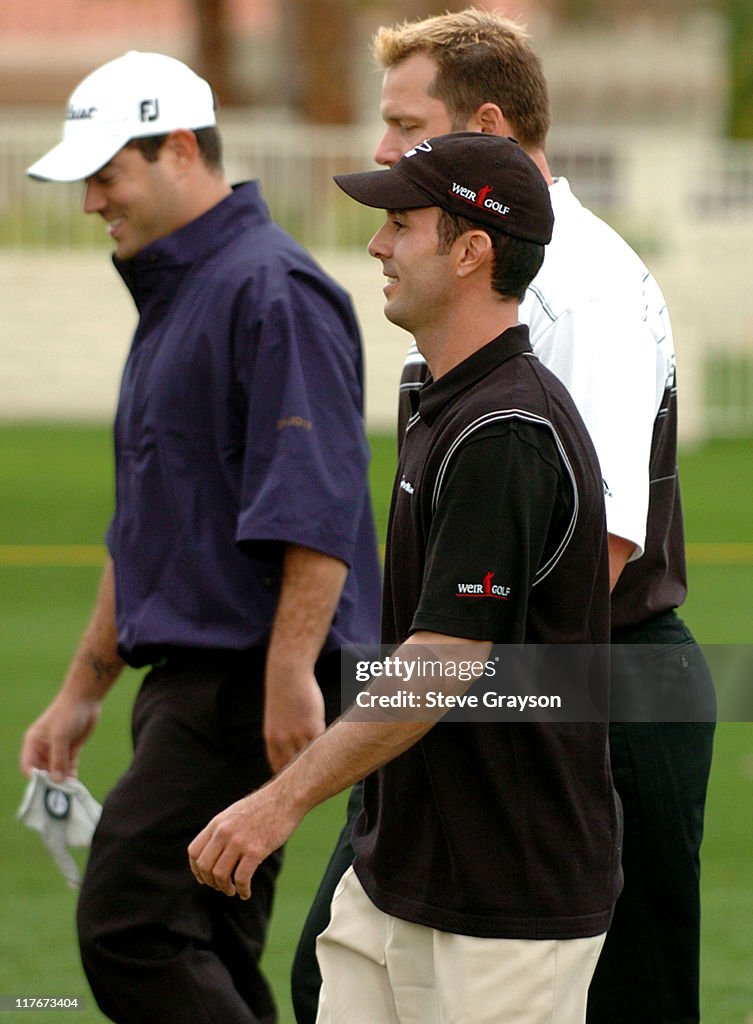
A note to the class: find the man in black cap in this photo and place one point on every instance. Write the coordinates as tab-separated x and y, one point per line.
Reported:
487	897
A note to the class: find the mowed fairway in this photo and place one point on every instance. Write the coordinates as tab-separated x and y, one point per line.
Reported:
55	500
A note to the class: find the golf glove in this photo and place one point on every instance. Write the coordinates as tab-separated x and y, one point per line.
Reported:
65	814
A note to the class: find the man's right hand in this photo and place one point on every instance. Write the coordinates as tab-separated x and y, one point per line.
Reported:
53	742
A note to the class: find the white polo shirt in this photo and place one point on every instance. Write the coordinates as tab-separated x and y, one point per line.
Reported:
598	320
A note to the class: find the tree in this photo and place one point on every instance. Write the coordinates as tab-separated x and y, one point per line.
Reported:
323	40
320	41
214	60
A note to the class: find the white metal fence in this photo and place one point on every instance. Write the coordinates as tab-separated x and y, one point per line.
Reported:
684	202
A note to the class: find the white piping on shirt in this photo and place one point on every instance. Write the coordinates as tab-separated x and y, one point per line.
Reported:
499	416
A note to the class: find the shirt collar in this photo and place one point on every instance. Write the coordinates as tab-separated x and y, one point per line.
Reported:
434	396
197	240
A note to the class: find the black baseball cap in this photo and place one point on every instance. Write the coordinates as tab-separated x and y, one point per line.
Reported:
486	178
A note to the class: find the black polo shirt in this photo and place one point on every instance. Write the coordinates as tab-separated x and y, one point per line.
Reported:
496	532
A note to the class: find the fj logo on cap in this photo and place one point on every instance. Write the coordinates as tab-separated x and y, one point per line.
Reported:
149	110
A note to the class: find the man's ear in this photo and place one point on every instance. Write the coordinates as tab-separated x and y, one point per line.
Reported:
490	120
182	147
474	252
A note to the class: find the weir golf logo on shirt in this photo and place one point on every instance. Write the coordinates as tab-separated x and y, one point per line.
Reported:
485	589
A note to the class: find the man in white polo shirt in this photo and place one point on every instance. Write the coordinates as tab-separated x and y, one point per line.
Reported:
598	320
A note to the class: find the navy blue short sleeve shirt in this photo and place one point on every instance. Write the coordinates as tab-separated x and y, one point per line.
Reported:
239	430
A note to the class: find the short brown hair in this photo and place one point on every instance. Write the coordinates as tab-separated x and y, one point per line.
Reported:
515	261
208	141
481	57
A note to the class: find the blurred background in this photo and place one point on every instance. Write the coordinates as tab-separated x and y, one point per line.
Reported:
653	118
653	125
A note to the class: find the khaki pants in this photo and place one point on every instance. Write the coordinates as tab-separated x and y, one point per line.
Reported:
378	969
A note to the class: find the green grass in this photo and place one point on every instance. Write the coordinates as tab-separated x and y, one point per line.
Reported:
55	489
717	490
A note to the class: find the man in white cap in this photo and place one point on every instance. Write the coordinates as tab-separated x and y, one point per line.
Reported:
242	552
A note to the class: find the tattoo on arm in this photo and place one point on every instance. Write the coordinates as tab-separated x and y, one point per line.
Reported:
103	669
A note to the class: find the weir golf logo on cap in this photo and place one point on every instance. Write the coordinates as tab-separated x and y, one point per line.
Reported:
481	199
467	195
132	97
484	178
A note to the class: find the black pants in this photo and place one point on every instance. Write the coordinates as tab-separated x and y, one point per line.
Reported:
648	972
157	947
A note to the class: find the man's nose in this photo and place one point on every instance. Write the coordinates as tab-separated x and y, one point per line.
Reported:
378	245
93	197
388	152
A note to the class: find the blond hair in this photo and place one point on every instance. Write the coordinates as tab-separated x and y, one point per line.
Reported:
481	57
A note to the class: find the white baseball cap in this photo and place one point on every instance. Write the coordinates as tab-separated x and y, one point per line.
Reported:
132	97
